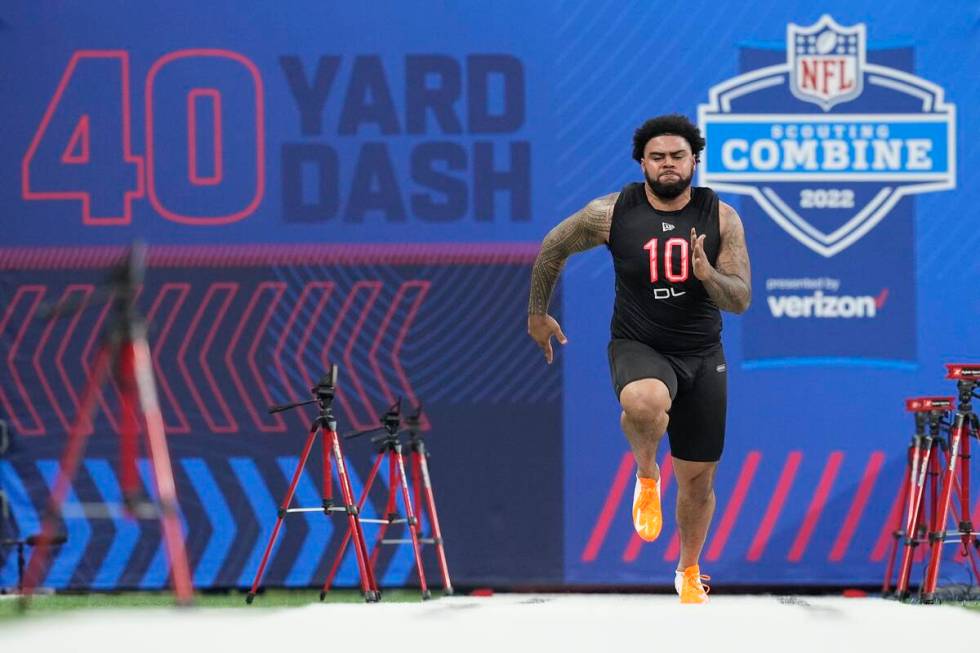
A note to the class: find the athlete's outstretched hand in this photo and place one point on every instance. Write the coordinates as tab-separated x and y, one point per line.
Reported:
541	328
699	260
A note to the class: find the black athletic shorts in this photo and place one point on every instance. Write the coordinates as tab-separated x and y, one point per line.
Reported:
698	386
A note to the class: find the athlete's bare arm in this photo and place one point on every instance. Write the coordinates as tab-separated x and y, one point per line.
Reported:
729	281
580	231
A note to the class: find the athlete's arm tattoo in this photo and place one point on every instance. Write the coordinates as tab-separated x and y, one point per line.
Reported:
731	285
580	231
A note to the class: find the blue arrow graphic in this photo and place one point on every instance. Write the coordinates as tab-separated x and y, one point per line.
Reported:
264	508
68	555
348	575
222	522
157	573
24	514
319	526
127	530
403	560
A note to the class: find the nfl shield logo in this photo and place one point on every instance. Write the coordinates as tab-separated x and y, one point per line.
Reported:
826	61
827	176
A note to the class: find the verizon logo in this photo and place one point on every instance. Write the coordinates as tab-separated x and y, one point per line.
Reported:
827	306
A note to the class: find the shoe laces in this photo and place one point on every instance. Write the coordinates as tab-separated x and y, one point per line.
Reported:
698	579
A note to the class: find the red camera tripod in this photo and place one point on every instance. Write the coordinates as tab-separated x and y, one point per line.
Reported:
923	467
391	450
324	393
957	476
425	501
124	346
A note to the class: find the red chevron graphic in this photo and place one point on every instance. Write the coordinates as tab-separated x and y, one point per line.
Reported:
815	509
202	358
729	518
355	379
312	323
88	357
372	289
59	357
783	486
230	425
423	289
39	373
730	515
620	480
888	527
22	429
278	423
277	288
159	342
314	319
853	518
65	420
666	474
277	356
673	551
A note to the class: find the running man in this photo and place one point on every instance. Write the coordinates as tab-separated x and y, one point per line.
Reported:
680	258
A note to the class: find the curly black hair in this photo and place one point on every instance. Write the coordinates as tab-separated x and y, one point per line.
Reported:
674	123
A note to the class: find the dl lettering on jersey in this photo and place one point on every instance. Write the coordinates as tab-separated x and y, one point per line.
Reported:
829	135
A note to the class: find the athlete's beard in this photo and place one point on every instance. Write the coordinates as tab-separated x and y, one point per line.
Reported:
671	190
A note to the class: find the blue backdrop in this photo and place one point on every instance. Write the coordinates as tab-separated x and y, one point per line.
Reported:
367	185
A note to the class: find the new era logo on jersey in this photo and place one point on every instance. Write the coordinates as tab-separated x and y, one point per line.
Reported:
666	226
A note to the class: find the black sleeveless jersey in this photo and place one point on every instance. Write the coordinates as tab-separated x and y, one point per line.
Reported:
659	301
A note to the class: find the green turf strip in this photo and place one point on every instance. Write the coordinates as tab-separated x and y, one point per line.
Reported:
10	606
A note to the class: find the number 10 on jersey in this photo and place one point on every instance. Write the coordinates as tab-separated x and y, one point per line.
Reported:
674	276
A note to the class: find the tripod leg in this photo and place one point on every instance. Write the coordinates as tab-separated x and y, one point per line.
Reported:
327	477
422	465
347	534
390	510
966	521
897	536
72	456
281	514
917	478
967	538
972	423
931	525
162	471
938	536
129	427
417	484
412	522
369	586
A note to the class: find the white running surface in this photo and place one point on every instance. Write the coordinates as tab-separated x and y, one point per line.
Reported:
511	623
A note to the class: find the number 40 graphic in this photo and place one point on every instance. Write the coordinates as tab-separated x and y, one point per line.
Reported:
204	139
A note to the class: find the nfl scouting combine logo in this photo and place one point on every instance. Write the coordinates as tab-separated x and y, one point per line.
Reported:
827	143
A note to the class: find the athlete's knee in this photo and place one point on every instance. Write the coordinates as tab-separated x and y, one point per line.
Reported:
645	402
695	481
696	493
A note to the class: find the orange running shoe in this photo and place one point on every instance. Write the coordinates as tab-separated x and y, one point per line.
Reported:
647	517
691	589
